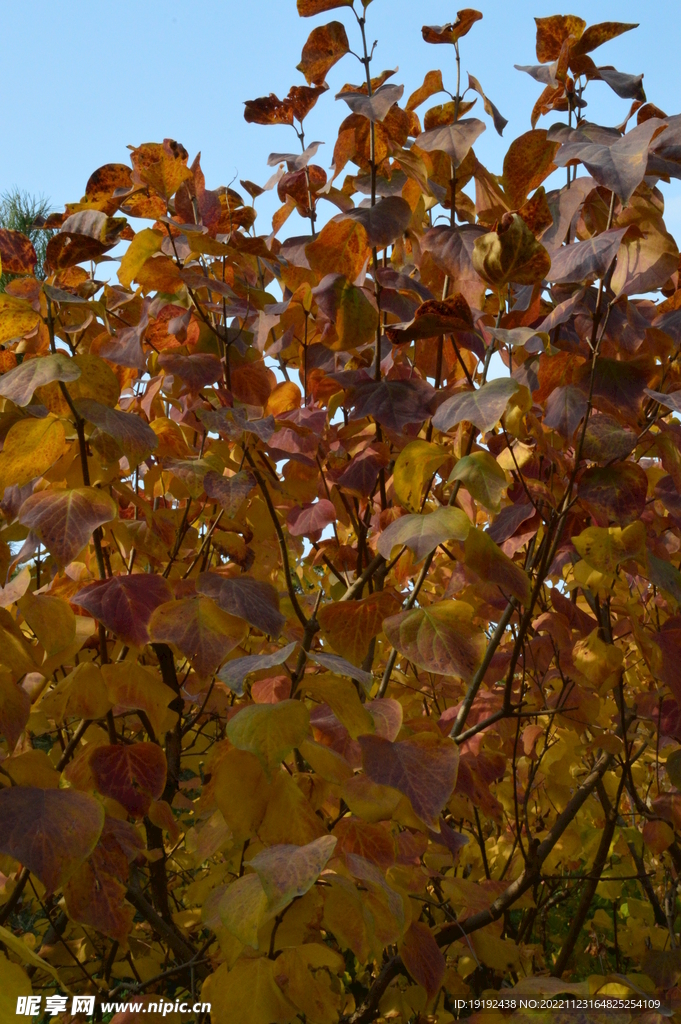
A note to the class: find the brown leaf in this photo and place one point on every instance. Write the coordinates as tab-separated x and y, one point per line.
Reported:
393	403
432	84
350	626
268	110
596	35
324	47
452	32
553	31
202	631
527	163
614	494
439	638
308	8
17	254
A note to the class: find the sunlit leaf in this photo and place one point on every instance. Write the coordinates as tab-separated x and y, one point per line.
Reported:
65	520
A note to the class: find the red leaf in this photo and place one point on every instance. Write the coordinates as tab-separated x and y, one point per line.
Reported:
423	958
124	604
133	775
423	767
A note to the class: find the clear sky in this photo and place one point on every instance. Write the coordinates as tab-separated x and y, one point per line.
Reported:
83	79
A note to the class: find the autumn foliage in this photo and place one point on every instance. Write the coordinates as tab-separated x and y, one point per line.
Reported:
340	639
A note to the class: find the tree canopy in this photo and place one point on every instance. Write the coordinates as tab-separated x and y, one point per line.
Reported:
340	638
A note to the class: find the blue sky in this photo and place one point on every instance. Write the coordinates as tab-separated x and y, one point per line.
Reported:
83	79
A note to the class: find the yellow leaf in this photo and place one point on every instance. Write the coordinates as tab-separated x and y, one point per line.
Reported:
290	817
144	244
241	792
51	619
596	660
325	762
603	548
247	994
131	686
17	317
304	975
31	447
82	694
14	982
414	468
27	956
343	699
243	909
285	397
369	800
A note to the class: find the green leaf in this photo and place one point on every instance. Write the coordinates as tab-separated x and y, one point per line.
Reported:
483	478
270	731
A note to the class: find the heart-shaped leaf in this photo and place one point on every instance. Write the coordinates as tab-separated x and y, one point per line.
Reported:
65	520
133	775
440	638
50	831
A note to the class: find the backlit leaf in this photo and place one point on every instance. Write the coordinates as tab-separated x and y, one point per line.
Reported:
511	253
605	548
17	317
31	447
414	468
527	163
482	477
452	32
485	558
483	408
65	520
20	383
324	47
422	533
342	247
17	254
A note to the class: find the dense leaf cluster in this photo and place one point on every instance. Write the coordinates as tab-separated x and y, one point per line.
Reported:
340	641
